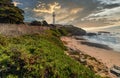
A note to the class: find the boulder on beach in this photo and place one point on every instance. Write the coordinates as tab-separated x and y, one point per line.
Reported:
115	70
91	34
96	45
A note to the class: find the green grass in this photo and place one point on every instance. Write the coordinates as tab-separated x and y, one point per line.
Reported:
38	56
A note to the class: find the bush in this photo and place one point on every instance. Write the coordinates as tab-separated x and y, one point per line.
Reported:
44	23
36	23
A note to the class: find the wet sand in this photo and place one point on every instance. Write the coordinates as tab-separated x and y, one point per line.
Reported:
107	56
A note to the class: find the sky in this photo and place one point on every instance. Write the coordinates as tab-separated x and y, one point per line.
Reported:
81	13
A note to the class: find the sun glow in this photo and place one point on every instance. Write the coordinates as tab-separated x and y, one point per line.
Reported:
47	8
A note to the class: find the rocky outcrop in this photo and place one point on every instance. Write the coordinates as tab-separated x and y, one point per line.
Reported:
93	64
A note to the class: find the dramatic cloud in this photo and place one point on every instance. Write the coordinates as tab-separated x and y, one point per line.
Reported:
47	8
109	1
77	12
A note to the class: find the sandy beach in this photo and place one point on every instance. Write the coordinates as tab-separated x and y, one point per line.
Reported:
108	57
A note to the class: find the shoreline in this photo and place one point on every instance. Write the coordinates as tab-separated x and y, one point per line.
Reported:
106	56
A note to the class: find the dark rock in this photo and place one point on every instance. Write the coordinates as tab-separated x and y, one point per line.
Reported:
91	34
103	32
96	45
79	38
115	70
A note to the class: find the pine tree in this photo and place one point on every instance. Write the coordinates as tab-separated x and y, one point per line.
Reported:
10	13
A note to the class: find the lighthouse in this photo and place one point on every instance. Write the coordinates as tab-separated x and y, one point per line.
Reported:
54	17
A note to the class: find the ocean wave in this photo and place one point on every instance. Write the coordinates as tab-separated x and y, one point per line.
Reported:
112	40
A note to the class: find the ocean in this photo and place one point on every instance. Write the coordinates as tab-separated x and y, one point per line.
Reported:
111	39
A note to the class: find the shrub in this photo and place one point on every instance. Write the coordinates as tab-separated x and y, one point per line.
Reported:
44	23
36	23
39	23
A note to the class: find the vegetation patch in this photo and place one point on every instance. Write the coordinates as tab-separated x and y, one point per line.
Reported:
38	56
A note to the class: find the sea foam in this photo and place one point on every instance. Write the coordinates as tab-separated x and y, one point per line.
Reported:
110	39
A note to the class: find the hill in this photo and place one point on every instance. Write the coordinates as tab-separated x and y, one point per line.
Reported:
71	29
38	55
75	30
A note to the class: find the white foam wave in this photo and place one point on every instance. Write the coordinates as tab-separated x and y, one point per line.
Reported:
112	40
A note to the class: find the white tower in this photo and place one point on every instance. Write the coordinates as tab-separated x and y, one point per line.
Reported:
54	17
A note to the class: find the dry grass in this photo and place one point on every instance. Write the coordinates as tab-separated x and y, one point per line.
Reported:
22	29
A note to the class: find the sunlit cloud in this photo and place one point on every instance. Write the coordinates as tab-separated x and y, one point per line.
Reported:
76	10
16	3
47	8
